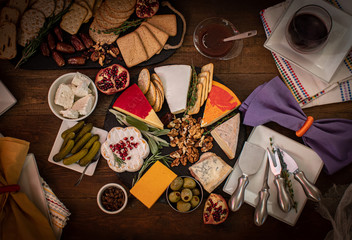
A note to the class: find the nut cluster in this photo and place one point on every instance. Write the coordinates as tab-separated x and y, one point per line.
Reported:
187	135
103	53
112	198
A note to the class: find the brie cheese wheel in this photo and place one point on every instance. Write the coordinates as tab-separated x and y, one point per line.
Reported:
64	96
126	144
84	105
226	135
176	80
210	171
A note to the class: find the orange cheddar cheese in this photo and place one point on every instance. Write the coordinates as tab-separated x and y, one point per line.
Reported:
221	101
153	183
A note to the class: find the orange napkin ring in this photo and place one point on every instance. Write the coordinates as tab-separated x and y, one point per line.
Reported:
10	188
300	132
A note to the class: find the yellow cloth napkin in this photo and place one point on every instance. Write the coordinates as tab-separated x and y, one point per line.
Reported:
19	217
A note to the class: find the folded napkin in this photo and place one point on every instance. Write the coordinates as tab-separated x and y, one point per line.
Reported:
19	217
308	89
331	139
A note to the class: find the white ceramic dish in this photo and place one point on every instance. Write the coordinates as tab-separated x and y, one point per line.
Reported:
31	185
7	100
102	189
67	78
326	61
308	161
58	142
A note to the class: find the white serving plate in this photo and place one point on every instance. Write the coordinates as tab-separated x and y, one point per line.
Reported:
75	166
307	160
326	61
31	184
7	100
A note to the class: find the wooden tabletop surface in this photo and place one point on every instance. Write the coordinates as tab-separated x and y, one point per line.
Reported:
31	119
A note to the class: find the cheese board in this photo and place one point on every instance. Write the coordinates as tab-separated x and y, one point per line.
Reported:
180	170
40	62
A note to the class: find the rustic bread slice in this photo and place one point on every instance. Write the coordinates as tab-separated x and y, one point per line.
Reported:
9	14
95	32
165	22
151	94
7	40
144	80
73	19
150	43
60	4
20	5
31	22
210	68
161	36
132	49
45	6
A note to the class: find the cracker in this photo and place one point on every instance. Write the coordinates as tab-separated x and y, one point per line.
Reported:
165	22
9	14
210	68
151	94
158	84
150	43
89	11
90	3
121	5
157	105
59	6
203	81
20	5
95	32
144	80
73	19
31	22
161	36
8	40
105	24
45	6
111	16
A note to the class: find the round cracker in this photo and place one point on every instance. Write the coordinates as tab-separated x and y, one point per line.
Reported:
144	80
97	36
151	94
112	17
159	86
45	6
121	5
157	105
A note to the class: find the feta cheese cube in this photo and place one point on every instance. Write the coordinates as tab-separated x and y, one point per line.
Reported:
69	113
64	96
84	105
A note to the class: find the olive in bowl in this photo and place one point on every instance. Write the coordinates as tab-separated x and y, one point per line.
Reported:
112	198
184	194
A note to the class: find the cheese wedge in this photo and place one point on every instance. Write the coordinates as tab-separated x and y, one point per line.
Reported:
221	101
175	80
226	135
152	184
133	102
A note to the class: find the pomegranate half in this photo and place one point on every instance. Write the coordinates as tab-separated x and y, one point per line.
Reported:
215	209
112	79
146	8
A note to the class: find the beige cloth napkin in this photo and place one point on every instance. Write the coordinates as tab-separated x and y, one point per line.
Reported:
19	217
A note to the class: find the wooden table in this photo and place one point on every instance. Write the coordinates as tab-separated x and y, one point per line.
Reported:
31	119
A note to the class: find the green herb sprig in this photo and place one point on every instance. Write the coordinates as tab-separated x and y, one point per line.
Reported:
166	160
118	160
192	91
152	134
31	48
123	28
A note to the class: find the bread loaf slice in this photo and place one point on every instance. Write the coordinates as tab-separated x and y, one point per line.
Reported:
9	14
73	19
31	22
165	22
161	36
7	40
150	43
132	49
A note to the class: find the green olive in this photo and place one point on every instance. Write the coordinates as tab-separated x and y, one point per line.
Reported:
176	184
189	183
195	201
196	192
186	194
174	197
183	206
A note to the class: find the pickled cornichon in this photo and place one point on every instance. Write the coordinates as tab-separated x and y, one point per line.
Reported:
87	128
65	151
75	157
75	129
79	145
68	136
91	141
91	154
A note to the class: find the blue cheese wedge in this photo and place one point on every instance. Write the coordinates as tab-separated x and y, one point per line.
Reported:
176	80
226	135
210	171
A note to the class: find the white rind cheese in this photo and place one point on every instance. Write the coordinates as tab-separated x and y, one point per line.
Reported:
226	135
176	80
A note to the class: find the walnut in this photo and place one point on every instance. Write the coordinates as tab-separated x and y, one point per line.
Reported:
175	163
173	133
176	154
183	160
207	144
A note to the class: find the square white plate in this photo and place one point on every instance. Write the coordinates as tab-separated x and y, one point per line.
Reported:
7	100
58	142
31	185
307	160
325	62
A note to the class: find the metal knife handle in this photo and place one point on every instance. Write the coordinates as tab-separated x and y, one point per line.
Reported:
283	197
237	197
311	191
261	212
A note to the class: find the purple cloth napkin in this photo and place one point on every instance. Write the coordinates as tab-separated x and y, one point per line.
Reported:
331	139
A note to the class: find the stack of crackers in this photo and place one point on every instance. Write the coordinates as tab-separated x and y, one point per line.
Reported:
152	88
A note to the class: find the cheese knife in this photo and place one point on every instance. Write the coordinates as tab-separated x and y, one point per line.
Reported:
261	212
311	191
283	197
249	162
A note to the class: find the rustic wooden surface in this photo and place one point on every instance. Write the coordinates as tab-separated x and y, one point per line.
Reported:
31	119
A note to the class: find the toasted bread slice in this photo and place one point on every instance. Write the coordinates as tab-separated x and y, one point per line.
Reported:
210	68
9	14
161	36
95	32
151	94
144	80
73	19
150	43
196	107
45	6
165	22
132	49
8	40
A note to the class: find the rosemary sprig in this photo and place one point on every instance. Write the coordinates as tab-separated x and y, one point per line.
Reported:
31	48
166	160
150	133
123	28
192	91
118	160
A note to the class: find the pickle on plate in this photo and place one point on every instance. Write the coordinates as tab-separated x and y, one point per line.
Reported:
75	129
68	136
81	142
91	141
75	157
64	151
91	154
86	128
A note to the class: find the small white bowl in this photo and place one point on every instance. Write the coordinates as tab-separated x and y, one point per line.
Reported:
67	78
100	193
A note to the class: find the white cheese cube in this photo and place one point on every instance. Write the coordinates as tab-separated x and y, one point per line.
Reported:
79	78
64	96
69	113
84	105
80	85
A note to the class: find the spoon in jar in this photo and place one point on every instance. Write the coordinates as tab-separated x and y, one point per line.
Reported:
241	36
